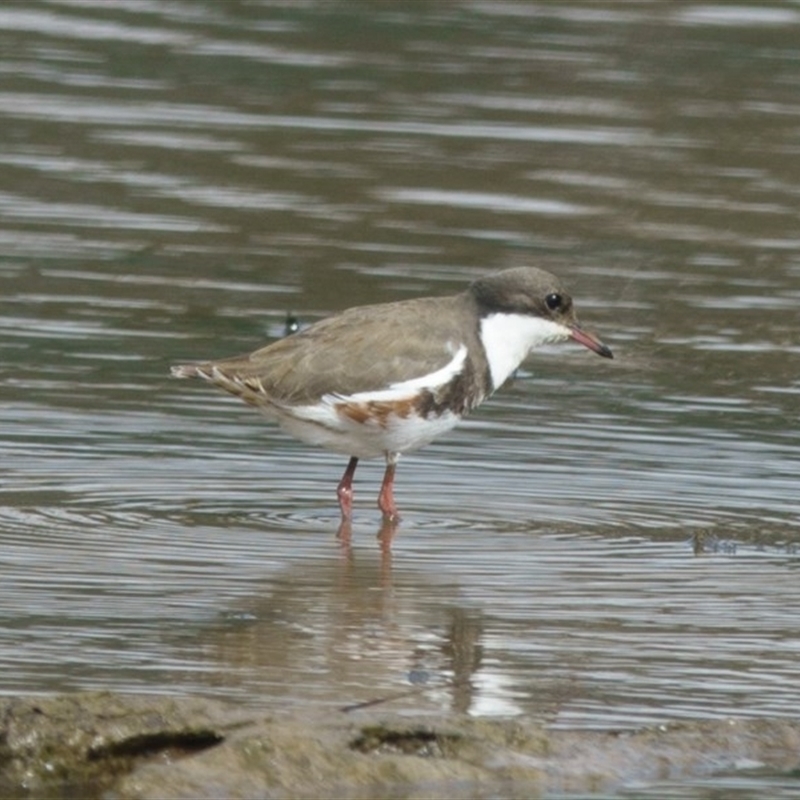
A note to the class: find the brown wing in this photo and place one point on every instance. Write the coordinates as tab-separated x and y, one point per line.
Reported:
362	349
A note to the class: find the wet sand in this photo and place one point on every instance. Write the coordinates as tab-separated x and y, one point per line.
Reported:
111	745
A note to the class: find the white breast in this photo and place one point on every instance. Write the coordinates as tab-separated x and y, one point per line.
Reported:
508	338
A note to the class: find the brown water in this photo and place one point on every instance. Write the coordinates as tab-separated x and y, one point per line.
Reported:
605	543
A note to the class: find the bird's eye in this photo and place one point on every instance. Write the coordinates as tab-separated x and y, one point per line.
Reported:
554	301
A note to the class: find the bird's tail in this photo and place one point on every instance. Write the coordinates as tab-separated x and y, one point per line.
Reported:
186	371
250	389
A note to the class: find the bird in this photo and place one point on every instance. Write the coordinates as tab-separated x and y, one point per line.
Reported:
292	324
386	379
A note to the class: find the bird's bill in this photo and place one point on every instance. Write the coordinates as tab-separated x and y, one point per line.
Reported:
590	340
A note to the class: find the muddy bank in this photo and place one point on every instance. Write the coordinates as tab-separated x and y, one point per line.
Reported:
99	744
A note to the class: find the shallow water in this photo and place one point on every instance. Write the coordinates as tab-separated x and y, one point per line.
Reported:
605	543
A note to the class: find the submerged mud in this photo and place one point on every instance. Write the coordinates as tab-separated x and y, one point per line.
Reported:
106	745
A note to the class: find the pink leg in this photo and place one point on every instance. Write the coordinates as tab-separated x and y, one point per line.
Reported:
344	491
386	498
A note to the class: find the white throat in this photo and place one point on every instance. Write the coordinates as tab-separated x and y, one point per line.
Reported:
508	338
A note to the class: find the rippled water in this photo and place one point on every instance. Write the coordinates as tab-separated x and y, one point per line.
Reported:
606	543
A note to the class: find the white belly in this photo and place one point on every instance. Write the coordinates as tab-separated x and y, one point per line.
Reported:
323	425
